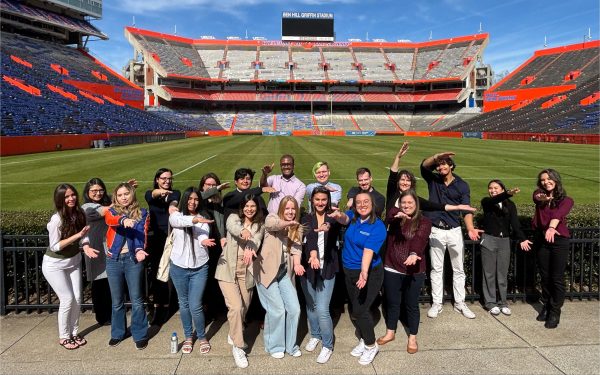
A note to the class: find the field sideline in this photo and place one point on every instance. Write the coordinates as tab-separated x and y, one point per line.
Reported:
27	181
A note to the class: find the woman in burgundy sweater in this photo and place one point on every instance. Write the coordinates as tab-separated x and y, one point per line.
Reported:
404	266
551	241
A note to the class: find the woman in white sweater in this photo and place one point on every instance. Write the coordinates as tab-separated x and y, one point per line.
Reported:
67	231
189	266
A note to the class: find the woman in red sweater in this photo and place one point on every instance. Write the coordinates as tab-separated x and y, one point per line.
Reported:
404	266
552	205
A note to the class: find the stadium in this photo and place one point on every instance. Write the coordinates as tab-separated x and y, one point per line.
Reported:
307	83
213	103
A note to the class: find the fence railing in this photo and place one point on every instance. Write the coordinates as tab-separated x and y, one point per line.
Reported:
24	288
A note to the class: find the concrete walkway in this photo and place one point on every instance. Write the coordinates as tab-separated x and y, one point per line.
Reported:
450	344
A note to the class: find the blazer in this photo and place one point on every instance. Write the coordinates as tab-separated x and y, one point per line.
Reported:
226	266
267	263
331	263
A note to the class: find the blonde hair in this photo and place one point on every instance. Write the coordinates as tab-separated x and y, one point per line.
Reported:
294	231
133	211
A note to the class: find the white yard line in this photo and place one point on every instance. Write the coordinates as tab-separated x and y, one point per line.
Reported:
192	166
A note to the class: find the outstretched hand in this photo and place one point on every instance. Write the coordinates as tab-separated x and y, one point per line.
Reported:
474	234
526	245
268	168
403	150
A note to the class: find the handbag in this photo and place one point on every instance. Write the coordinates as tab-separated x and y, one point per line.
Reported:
165	260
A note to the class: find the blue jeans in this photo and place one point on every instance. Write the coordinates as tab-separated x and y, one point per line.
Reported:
318	298
190	284
283	313
121	271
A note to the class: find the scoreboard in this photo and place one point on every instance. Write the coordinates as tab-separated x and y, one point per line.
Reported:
307	26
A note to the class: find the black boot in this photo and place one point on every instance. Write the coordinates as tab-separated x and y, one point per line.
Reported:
543	315
553	319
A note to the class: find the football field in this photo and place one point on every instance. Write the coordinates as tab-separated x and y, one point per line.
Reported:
27	182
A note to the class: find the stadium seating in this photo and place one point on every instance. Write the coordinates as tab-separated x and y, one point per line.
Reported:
240	65
210	59
340	65
293	120
374	120
336	121
307	65
403	60
373	65
253	121
568	116
60	108
70	23
274	66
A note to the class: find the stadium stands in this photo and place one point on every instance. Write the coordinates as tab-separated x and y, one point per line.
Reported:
568	116
60	108
18	8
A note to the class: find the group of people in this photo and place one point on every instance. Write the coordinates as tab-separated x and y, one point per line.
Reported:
241	243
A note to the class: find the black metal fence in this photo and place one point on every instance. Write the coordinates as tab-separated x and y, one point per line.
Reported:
24	288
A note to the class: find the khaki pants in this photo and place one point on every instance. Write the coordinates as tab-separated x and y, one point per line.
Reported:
237	299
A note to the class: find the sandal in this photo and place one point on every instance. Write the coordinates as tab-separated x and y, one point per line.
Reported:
79	340
204	346
187	347
68	344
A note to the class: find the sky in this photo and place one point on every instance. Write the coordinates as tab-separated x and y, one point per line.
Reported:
517	28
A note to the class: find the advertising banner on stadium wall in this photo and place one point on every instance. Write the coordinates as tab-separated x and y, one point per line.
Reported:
472	135
364	133
276	133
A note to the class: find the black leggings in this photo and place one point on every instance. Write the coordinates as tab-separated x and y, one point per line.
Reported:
361	301
402	290
552	261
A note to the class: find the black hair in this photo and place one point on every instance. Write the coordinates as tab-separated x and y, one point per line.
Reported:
320	190
104	201
243	172
258	218
158	173
559	192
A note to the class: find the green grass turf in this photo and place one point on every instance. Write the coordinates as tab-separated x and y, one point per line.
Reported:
27	181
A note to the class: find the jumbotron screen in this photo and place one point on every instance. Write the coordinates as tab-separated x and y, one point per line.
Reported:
307	26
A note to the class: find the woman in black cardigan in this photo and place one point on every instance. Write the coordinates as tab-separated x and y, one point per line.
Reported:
321	262
500	222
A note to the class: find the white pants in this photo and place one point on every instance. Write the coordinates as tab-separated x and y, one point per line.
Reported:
438	241
64	276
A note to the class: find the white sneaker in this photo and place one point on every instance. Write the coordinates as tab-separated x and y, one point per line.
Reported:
435	310
311	345
239	356
324	355
495	310
464	309
297	353
278	355
368	355
358	349
230	342
505	310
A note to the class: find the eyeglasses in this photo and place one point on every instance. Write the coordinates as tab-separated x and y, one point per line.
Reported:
97	191
166	178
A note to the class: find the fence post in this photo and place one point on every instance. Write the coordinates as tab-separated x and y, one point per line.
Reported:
3	290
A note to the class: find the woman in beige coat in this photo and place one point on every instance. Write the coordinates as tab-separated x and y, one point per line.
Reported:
244	235
273	271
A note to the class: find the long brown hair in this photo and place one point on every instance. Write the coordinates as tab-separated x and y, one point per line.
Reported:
559	192
133	211
295	231
415	220
72	220
372	215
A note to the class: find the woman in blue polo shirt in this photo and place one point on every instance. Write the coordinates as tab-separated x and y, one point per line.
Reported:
363	269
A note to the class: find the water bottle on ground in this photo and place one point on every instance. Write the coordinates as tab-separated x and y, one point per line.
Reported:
174	343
